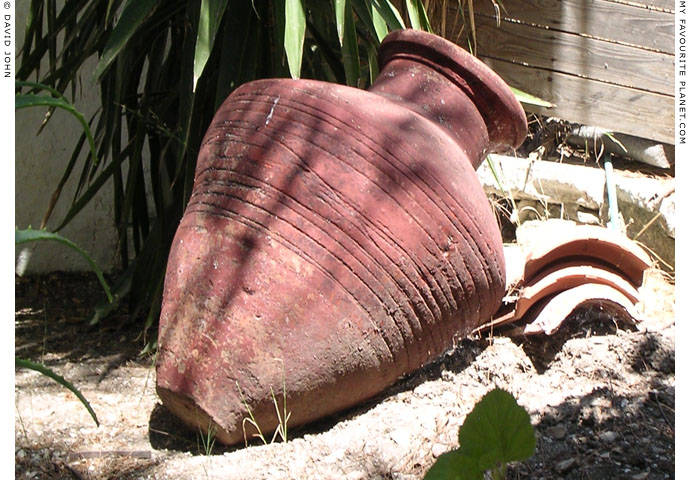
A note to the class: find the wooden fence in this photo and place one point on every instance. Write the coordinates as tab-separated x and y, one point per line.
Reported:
605	63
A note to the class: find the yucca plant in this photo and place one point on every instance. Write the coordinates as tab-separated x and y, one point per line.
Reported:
164	66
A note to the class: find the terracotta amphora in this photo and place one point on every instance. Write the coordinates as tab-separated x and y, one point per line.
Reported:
335	239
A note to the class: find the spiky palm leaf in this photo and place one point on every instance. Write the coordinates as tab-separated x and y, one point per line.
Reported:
164	66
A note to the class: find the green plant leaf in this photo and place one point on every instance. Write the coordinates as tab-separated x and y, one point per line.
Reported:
31	100
121	287
23	363
454	466
348	40
418	17
524	97
210	17
133	15
340	6
494	172
373	25
295	28
373	63
379	22
327	59
30	235
239	48
155	94
389	13
497	431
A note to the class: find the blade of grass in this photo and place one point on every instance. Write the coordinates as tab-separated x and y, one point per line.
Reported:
616	141
524	97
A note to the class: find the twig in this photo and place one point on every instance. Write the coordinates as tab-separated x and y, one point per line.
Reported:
661	410
648	224
72	457
655	255
177	437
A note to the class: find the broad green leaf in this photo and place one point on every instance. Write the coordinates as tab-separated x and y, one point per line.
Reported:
389	13
22	363
380	25
133	15
417	14
295	27
497	431
30	235
373	24
210	17
31	100
524	97
454	466
348	41
340	6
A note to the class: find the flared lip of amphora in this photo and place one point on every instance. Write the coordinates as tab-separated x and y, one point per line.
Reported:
501	111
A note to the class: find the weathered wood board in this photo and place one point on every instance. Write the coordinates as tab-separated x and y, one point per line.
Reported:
606	63
618	109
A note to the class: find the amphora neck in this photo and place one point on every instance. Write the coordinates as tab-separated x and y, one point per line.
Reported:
450	87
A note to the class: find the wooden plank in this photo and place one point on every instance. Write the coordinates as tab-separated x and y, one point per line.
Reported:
619	109
603	19
667	5
567	53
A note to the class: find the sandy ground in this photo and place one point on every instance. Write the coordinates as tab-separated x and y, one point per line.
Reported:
601	398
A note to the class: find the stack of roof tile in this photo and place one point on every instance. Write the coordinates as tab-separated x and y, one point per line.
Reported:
571	267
